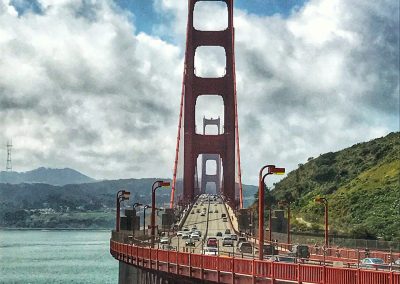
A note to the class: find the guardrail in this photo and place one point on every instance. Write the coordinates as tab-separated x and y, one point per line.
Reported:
344	253
228	269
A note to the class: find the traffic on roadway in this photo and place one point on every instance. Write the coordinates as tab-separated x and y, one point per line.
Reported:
208	230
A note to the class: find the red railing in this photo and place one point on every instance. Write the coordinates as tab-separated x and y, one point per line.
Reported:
146	257
338	254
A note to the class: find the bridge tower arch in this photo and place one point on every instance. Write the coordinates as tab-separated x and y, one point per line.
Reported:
194	86
205	177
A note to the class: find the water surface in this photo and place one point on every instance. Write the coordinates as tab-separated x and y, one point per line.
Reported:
40	256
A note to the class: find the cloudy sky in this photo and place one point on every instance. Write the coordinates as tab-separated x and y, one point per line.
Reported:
95	85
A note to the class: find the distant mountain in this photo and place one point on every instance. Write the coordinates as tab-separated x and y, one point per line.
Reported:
50	176
88	205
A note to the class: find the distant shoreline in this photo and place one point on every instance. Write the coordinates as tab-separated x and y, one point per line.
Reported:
52	229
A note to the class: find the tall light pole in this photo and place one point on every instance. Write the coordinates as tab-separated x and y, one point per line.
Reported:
324	201
261	187
144	218
155	186
121	196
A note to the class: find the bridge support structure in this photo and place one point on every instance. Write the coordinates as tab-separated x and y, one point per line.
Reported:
194	86
211	178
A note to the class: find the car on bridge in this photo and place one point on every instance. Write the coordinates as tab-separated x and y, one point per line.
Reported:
245	247
164	240
241	240
210	251
224	219
227	241
190	243
227	231
195	236
373	262
212	242
234	237
282	258
203	214
198	232
301	251
269	250
168	247
219	234
185	236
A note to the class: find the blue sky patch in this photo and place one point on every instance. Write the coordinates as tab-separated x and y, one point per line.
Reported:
270	7
145	17
24	6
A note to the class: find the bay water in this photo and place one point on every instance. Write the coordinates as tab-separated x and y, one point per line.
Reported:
59	256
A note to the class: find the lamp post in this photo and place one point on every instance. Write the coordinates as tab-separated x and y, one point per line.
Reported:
324	201
121	196
144	218
288	218
156	184
261	187
134	218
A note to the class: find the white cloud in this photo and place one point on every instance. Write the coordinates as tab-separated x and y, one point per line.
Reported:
320	80
83	91
79	87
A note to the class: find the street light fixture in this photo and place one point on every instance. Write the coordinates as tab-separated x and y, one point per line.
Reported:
121	196
324	201
144	218
155	186
261	187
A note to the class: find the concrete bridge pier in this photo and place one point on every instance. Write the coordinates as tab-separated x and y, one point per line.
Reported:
129	274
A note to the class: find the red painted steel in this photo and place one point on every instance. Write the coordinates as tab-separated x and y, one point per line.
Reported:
309	273
195	260
192	87
243	266
287	271
141	256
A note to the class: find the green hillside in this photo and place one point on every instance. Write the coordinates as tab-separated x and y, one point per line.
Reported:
361	184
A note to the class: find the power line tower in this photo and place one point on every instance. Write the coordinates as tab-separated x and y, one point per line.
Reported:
9	163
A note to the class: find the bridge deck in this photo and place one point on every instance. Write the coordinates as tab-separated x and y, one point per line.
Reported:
229	265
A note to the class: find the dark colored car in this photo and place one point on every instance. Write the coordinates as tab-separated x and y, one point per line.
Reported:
241	240
190	243
301	251
245	247
269	250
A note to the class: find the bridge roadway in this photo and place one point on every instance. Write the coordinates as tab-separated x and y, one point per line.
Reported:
188	263
209	224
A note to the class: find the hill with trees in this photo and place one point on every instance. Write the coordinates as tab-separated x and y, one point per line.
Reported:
361	184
